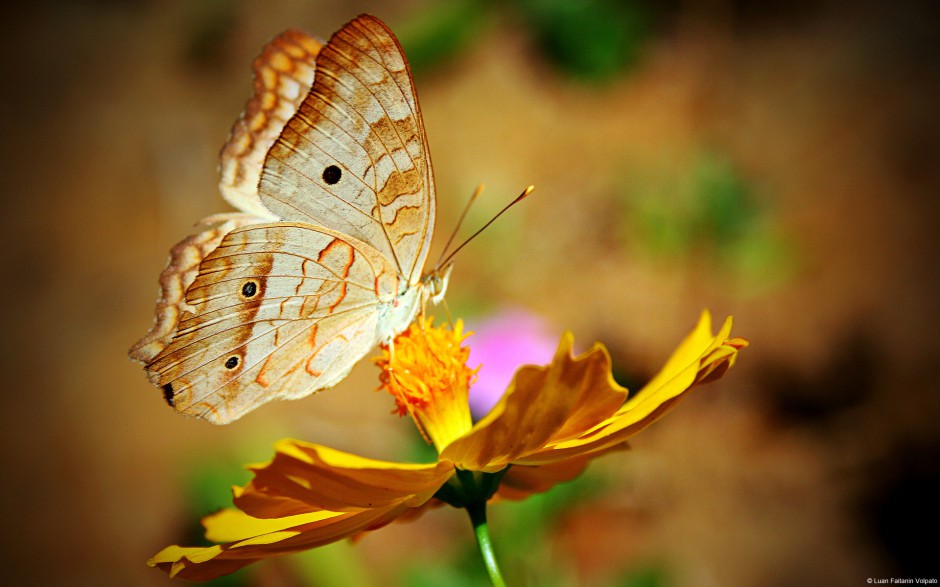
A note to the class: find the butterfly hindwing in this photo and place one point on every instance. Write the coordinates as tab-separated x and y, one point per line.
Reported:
272	308
179	274
283	75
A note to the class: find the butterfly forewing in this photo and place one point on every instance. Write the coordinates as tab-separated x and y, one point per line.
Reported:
354	156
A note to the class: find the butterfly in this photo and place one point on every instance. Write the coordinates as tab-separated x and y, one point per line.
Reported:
330	171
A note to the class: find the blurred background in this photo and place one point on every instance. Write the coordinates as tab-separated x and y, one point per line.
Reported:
778	161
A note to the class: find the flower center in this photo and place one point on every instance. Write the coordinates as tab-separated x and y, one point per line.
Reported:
425	369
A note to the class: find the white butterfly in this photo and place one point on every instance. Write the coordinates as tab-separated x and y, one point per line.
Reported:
329	165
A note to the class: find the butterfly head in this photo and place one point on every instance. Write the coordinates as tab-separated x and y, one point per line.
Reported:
435	283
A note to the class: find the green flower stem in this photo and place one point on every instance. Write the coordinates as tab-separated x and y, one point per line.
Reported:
481	530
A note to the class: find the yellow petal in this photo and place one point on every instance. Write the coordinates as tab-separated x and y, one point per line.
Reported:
329	479
543	404
187	560
231	525
700	358
275	538
260	504
521	481
696	345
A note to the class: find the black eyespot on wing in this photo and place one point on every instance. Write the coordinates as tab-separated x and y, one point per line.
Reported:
332	174
168	393
250	289
231	363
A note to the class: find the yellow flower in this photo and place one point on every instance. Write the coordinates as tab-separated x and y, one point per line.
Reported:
546	428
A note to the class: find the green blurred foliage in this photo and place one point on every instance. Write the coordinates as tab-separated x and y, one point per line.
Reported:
466	570
211	25
523	530
591	40
646	575
707	210
436	35
209	485
335	565
434	575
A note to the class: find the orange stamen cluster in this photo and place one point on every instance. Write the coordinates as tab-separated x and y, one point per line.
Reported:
426	372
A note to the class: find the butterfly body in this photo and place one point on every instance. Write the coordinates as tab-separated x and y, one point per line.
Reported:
327	258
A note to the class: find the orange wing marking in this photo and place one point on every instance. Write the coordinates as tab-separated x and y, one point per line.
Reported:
333	256
262	377
309	365
340	298
208	408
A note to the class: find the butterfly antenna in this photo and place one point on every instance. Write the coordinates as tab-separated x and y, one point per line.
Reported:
518	199
463	215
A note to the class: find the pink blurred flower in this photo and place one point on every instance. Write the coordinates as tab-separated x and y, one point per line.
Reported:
502	343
